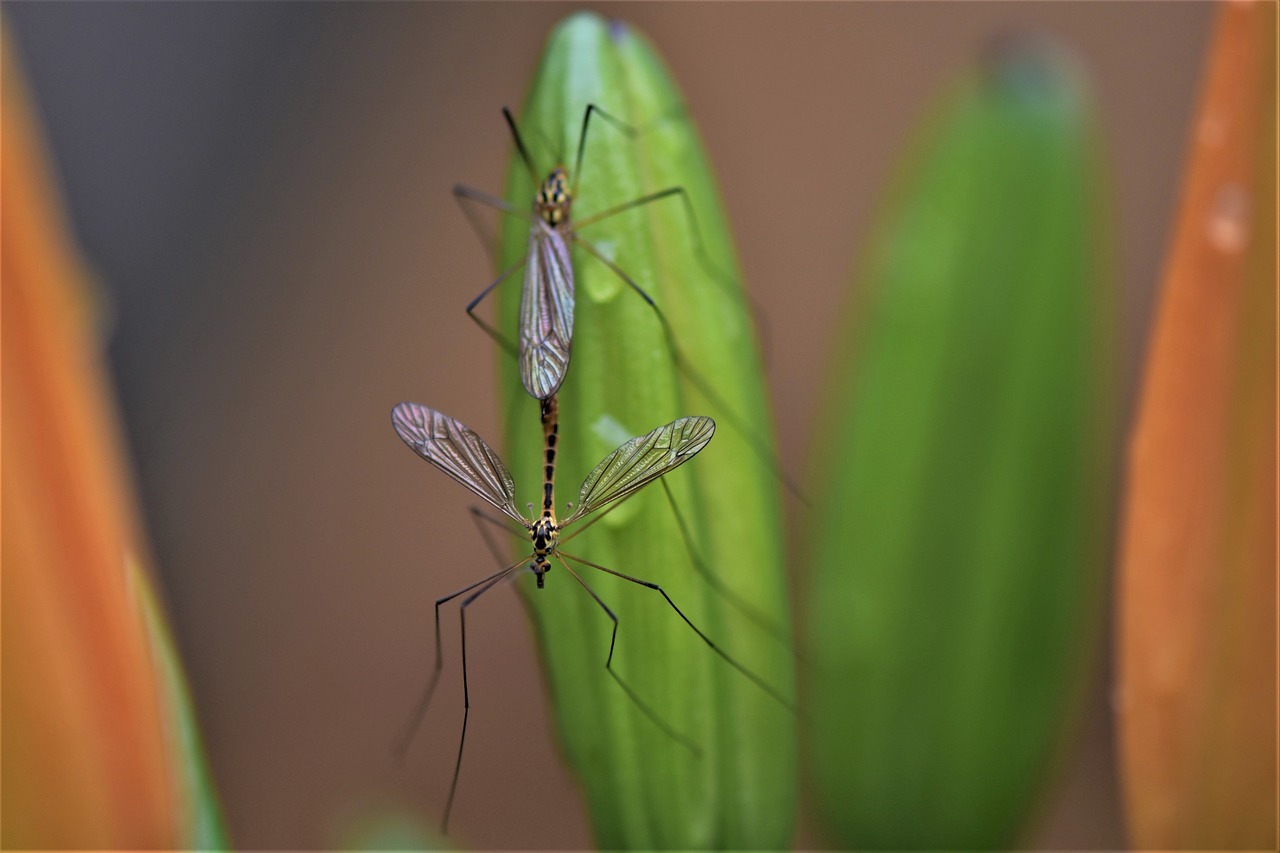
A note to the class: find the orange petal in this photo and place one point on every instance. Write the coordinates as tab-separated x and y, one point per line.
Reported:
86	762
1196	657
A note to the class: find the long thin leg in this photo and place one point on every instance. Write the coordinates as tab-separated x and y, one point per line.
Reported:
582	138
478	515
755	679
489	330
761	448
631	131
466	693
463	193
524	152
746	608
600	256
415	720
725	280
608	665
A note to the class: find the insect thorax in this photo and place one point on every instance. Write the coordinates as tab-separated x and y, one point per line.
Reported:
544	533
554	199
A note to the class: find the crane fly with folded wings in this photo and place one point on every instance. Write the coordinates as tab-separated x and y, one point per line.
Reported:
458	451
547	297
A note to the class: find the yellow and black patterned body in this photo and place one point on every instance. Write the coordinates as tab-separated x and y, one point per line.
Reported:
545	531
554	199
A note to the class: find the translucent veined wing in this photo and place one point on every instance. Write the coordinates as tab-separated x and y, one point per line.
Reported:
641	460
455	449
546	312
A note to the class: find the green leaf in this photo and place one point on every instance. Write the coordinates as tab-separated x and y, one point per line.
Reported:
644	788
958	554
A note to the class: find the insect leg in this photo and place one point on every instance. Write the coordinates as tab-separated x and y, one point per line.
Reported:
755	679
726	592
463	193
478	515
582	137
415	720
466	694
758	444
631	693
724	279
524	152
489	330
598	255
746	608
632	133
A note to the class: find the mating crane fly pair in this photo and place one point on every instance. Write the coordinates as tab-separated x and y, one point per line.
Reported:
545	342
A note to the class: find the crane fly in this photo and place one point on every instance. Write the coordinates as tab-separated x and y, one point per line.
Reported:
547	297
460	453
545	334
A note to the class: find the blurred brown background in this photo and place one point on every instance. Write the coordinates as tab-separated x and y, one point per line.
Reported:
264	190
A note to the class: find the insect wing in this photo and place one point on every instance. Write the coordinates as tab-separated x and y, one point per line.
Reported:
546	312
458	451
641	460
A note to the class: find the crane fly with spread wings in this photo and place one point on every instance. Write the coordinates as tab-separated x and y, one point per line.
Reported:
458	451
